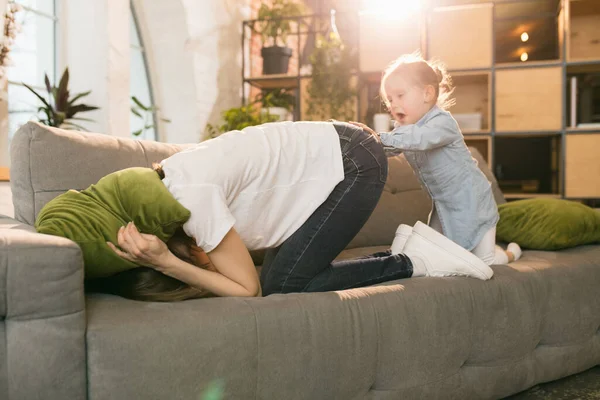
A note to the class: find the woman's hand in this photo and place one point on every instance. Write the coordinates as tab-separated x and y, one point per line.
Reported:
366	129
141	248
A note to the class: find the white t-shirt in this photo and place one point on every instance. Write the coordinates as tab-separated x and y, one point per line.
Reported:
265	181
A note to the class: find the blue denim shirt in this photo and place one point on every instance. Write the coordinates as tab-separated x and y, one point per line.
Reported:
462	195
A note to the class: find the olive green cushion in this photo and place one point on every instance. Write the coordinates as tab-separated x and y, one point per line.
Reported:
93	216
548	224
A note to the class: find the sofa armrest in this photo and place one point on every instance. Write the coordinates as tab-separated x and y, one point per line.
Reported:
42	315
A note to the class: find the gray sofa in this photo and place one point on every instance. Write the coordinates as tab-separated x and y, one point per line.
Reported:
425	338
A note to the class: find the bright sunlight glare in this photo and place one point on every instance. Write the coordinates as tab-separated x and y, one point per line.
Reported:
392	9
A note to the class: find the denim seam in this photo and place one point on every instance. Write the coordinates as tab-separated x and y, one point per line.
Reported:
376	160
321	225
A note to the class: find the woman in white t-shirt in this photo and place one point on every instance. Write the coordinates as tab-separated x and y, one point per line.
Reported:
302	190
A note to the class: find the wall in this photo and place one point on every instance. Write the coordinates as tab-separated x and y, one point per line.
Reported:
194	51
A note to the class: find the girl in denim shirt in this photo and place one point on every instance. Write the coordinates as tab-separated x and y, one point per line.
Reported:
464	210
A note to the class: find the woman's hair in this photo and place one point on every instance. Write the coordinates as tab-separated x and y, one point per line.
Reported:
422	72
159	170
147	284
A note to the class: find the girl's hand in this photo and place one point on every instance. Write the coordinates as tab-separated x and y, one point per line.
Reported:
141	248
366	129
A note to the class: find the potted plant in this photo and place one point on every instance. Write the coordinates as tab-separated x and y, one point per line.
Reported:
60	109
238	118
277	102
273	25
331	90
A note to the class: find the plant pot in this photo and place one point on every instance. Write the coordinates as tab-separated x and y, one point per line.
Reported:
282	113
275	59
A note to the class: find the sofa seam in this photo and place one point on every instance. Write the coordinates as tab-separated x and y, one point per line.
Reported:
143	151
378	350
257	349
7	351
422	384
45	317
30	176
50	190
471	321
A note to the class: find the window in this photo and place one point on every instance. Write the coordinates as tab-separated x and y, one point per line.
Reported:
33	55
140	84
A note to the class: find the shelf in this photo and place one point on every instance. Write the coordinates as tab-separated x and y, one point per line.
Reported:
476	132
531	196
531	133
461	36
583	30
283	81
539	19
528	165
529	99
583	130
472	94
529	64
582	166
583	97
483	144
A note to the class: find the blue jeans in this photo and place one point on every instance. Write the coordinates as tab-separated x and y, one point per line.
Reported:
304	262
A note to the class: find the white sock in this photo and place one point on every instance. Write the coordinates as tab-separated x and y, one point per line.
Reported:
500	257
419	268
515	249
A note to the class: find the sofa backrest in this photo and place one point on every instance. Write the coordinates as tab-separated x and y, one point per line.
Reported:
46	162
404	201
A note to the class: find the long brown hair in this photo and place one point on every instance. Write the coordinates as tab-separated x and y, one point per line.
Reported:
147	284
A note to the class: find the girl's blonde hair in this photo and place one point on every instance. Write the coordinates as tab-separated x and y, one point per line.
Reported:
422	72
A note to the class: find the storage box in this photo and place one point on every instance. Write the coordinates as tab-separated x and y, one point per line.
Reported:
469	121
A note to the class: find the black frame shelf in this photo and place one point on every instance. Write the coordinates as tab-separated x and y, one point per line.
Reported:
367	82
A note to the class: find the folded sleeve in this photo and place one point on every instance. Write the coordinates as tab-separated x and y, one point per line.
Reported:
210	218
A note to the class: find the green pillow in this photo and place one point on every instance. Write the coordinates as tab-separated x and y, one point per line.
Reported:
548	224
93	216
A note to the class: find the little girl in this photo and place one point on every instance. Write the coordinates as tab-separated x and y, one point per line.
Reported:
417	93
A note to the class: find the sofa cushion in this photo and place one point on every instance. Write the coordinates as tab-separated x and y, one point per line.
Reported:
93	216
404	201
548	224
38	175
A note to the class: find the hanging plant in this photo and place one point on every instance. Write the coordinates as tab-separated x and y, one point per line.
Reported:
332	92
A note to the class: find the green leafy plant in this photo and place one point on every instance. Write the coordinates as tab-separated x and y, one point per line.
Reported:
331	90
239	118
277	98
146	114
272	24
60	109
